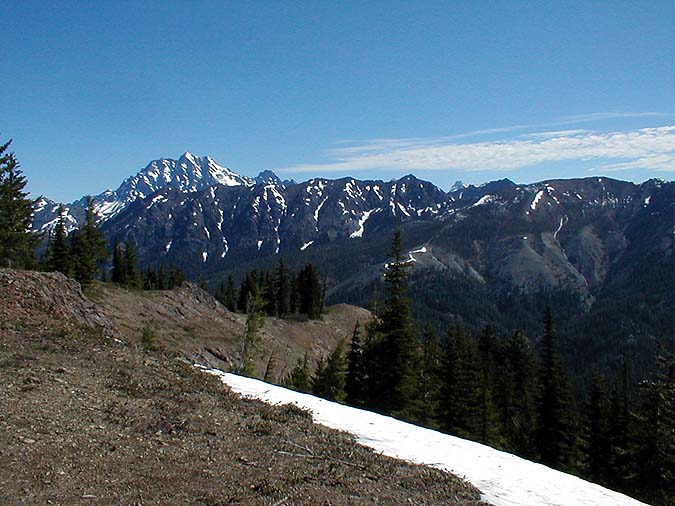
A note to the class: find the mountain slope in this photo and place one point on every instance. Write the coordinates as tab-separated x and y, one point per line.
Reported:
88	418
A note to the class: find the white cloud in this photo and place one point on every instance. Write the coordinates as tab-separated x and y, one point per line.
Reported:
647	148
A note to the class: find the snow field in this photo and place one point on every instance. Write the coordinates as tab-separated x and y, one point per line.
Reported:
502	478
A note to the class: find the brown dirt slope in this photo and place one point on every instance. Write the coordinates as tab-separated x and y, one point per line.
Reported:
86	418
191	322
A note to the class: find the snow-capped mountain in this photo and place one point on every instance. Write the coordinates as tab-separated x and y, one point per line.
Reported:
187	174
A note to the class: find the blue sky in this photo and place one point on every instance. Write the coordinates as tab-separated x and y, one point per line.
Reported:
470	90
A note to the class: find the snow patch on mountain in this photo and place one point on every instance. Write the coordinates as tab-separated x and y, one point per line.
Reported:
502	478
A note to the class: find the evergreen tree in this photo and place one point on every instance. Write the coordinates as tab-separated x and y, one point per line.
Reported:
556	437
282	289
162	282
176	277
517	394
130	264
299	378
430	378
653	439
330	376
269	294
251	341
17	242
598	431
118	269
88	247
461	395
355	385
397	350
230	294
309	292
489	427
59	252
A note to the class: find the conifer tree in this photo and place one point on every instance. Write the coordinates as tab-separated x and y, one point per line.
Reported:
397	349
88	246
355	385
130	264
299	378
282	289
598	431
517	394
330	376
118	270
17	242
59	252
251	341
489	428
430	378
556	437
309	292
230	294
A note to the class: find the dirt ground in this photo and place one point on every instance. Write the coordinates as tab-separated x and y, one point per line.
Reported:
88	418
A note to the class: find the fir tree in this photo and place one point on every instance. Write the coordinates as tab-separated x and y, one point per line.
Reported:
556	437
251	341
88	246
355	385
430	378
282	289
517	394
598	431
299	378
118	270
17	242
230	294
130	264
309	292
489	428
398	347
59	252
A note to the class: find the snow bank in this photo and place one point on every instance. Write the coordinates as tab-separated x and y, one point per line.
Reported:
503	479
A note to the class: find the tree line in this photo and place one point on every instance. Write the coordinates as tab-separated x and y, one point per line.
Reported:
282	292
501	391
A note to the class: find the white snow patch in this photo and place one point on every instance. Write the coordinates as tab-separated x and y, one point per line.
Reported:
306	245
484	200
318	209
208	234
648	200
536	200
168	246
205	255
502	478
362	222
259	244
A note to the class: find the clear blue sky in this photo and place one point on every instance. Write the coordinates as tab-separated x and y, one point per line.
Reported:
92	91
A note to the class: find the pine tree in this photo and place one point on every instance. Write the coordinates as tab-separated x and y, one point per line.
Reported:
251	341
309	292
330	376
598	431
430	378
59	252
282	289
88	247
17	242
230	294
556	437
130	264
299	378
355	385
118	269
398	348
652	448
517	394
489	428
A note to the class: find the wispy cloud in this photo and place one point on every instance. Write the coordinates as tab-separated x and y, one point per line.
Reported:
647	148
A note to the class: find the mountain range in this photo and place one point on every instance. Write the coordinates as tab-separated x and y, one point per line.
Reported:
599	249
